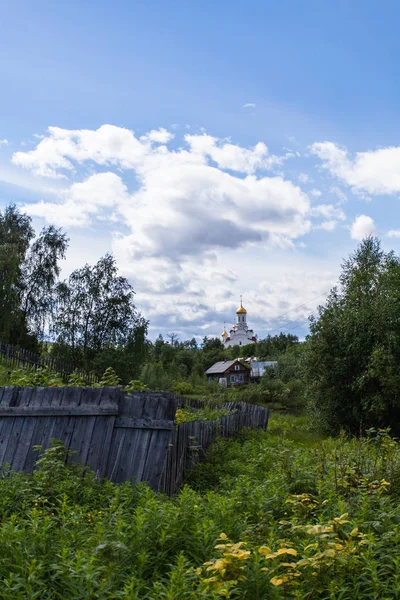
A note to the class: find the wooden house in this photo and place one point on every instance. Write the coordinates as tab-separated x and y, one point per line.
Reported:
229	372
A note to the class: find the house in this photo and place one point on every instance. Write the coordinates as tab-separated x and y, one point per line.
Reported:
229	372
258	368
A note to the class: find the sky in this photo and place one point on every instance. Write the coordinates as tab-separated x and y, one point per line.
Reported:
215	148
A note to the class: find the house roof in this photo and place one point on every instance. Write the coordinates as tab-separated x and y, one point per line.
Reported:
221	366
263	364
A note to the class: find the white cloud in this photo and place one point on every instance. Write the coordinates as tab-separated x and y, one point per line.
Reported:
78	205
160	136
327	225
362	227
108	145
374	171
303	178
233	157
328	211
184	205
316	193
3	142
394	233
339	193
249	105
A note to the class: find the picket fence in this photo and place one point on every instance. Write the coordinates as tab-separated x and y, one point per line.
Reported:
15	357
121	437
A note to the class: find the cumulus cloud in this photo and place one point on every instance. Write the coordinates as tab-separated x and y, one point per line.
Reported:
362	227
62	148
233	157
394	233
3	142
249	105
374	171
160	136
79	204
186	202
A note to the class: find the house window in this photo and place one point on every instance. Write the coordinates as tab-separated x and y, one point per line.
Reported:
241	378
233	378
237	367
240	343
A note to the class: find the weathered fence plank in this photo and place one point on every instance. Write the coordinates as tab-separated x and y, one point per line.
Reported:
120	437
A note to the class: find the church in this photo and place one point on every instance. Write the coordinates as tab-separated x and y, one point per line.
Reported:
240	334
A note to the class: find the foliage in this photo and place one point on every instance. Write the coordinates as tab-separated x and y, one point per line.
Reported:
41	377
278	514
352	359
4	375
28	273
96	314
135	385
207	413
46	377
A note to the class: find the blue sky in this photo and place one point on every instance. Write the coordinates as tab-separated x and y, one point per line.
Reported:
195	211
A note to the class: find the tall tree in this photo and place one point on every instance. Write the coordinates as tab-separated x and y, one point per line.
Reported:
352	358
16	233
28	274
95	311
39	276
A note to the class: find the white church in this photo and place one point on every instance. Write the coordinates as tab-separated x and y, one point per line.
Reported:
240	334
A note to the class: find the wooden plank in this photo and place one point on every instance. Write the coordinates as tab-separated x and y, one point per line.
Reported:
13	448
53	411
49	429
158	445
24	442
148	423
91	398
133	406
10	398
102	431
64	426
42	395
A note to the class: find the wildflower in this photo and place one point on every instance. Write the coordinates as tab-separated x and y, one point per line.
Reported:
278	581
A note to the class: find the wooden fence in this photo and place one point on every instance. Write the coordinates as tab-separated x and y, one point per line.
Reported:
15	357
120	437
189	441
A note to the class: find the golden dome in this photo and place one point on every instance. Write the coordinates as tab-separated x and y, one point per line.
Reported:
224	334
241	310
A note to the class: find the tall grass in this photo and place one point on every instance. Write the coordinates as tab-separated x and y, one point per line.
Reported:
4	376
268	515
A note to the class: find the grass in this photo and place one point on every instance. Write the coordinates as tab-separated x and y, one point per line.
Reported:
269	515
4	377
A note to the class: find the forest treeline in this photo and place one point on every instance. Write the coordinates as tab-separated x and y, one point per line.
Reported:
347	371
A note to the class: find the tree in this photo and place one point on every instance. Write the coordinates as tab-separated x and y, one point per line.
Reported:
39	276
95	313
16	233
352	358
28	274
